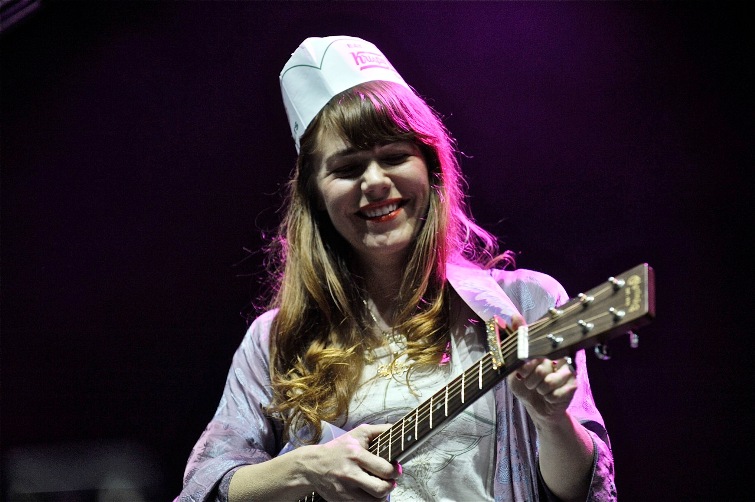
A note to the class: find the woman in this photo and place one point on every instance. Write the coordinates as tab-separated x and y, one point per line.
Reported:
379	273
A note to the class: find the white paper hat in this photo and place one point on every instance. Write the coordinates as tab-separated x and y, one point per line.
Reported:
320	68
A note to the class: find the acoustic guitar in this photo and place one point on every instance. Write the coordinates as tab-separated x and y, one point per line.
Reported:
618	306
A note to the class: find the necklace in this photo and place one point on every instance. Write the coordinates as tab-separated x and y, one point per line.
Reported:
394	367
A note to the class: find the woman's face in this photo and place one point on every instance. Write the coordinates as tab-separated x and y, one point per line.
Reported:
376	199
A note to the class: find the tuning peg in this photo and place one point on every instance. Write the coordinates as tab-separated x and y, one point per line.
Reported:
617	314
585	299
634	339
617	283
601	352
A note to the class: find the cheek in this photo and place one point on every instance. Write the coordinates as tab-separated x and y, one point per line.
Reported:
334	199
323	195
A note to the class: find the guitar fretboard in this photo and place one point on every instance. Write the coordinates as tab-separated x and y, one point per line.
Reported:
447	403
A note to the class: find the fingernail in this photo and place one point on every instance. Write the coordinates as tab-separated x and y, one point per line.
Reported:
518	376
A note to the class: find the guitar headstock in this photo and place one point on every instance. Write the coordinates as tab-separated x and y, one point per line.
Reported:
623	303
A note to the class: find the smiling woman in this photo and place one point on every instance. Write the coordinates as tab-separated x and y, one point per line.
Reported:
379	274
376	199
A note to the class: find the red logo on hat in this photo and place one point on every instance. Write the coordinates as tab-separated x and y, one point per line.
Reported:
365	60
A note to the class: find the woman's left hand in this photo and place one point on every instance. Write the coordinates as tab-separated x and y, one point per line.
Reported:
545	387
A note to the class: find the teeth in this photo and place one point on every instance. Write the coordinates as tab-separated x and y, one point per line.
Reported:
381	211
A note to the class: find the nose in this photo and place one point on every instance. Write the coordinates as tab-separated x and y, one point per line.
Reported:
375	181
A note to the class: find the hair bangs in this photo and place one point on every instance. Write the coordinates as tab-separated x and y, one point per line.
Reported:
380	112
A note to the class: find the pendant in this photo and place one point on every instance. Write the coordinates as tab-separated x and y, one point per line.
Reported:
392	370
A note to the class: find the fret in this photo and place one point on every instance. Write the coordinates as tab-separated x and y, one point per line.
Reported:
431	411
390	442
463	384
445	403
402	434
416	422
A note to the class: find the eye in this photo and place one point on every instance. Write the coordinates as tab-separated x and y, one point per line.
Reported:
395	159
351	170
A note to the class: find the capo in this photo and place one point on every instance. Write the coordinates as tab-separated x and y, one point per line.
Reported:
494	340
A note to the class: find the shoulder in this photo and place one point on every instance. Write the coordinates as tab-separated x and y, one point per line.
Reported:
531	278
257	337
534	292
261	324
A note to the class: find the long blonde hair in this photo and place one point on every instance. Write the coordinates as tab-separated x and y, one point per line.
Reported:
320	333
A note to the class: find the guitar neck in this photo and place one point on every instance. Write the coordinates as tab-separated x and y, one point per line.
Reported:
417	426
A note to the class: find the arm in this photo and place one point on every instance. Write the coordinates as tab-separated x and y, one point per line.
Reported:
235	458
566	451
342	469
577	429
239	433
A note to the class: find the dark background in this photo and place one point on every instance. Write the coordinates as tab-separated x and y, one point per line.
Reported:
144	145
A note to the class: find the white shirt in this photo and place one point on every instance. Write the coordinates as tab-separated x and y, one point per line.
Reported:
456	463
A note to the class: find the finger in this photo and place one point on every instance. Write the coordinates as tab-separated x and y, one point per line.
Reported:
367	432
553	381
539	370
379	485
516	321
562	393
559	385
376	465
564	363
553	374
373	430
526	369
378	488
370	462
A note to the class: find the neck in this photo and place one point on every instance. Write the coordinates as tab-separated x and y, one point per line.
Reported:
382	279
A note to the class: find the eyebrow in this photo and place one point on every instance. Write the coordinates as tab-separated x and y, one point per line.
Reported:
346	151
335	156
351	150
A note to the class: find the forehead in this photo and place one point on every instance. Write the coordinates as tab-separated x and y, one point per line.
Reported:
331	143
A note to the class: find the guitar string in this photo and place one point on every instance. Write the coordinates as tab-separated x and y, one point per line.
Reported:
418	419
422	413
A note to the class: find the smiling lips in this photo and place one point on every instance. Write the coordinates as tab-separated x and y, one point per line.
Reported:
381	211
